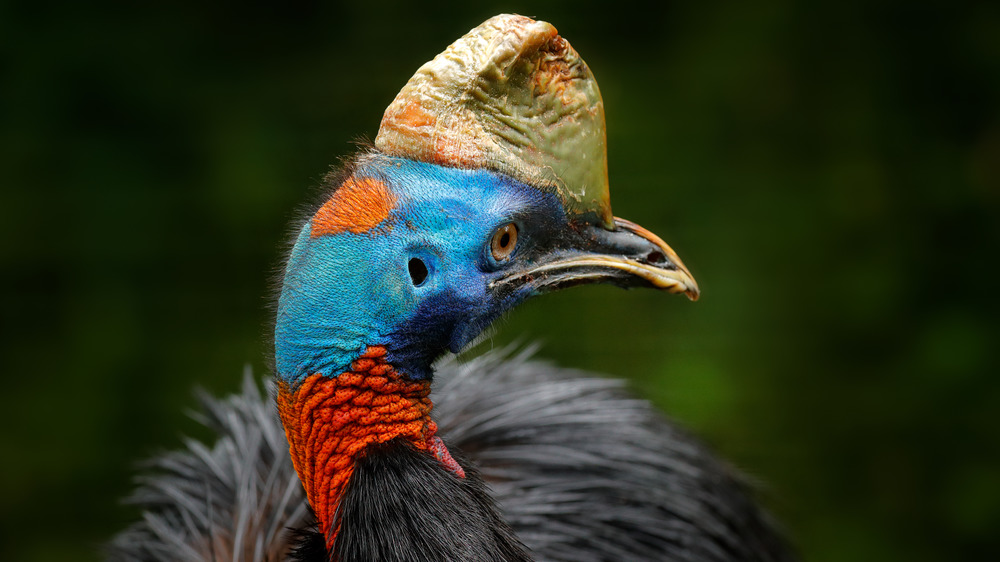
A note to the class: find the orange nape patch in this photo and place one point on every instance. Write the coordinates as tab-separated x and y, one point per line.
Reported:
358	205
330	421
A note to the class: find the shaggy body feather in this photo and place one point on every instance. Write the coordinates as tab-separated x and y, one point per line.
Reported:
591	475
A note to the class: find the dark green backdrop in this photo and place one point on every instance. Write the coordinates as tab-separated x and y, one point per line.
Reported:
829	170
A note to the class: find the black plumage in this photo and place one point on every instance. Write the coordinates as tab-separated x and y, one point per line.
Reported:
580	472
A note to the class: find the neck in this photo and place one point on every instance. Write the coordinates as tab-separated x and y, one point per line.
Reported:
332	422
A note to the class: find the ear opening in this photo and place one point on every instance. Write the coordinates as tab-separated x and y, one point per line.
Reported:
418	271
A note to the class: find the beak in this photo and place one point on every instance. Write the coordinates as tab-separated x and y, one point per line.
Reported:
628	256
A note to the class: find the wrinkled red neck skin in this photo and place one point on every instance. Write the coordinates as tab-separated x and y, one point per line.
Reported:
330	421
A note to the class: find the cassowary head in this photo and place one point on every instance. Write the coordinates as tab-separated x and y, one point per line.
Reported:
488	186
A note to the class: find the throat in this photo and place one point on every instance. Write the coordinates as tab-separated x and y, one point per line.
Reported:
331	422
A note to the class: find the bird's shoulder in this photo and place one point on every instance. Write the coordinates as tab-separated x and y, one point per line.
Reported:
584	471
581	471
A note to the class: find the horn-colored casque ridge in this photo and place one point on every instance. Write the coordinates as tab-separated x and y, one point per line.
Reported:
511	96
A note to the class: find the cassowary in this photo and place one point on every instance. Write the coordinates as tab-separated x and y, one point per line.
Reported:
487	185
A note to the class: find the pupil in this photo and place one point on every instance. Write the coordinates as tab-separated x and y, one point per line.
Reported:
418	271
505	239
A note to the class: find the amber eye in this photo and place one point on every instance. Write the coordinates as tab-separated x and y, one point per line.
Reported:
504	242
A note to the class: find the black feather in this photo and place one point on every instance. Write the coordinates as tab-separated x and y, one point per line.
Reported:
585	472
309	545
581	472
402	505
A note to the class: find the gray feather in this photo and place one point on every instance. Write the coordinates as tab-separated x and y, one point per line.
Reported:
582	472
232	501
585	472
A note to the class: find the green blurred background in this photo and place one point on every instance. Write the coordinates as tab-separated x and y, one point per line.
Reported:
829	170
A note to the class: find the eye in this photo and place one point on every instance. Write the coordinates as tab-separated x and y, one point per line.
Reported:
504	241
418	271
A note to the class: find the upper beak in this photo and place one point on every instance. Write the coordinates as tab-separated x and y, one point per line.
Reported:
627	256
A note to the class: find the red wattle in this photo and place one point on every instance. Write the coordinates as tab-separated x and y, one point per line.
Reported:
330	421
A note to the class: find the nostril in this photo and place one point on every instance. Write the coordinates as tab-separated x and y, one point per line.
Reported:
656	258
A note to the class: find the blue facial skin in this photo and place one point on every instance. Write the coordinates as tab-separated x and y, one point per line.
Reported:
344	292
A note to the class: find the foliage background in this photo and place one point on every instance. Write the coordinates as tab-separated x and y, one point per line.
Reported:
829	170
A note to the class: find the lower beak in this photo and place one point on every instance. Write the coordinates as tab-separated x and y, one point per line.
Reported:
628	256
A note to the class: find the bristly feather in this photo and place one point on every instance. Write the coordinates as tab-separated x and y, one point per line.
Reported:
232	501
584	472
401	505
581	472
